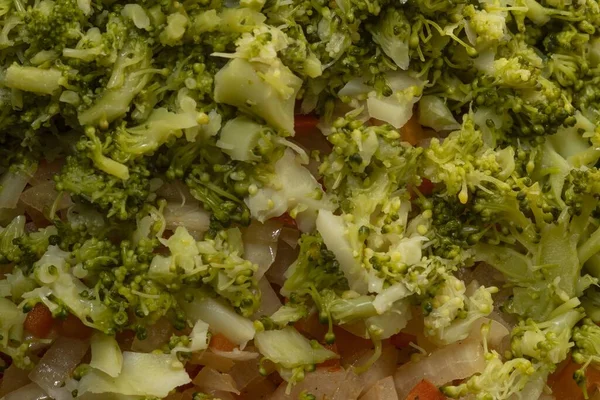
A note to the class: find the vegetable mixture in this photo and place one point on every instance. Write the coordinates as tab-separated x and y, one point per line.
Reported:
293	199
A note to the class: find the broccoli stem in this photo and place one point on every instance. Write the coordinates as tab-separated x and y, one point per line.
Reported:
32	79
590	248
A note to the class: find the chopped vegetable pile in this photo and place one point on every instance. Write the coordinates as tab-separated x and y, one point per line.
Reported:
290	199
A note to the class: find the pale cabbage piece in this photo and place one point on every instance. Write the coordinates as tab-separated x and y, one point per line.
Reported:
395	109
333	230
434	113
239	137
142	375
198	339
294	189
289	349
106	354
11	323
242	84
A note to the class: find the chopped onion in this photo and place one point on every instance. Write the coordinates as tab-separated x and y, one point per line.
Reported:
56	366
384	366
269	302
158	334
14	378
244	373
290	236
383	389
323	384
44	196
247	372
286	255
29	392
259	389
221	395
260	244
190	215
456	361
212	360
46	171
495	336
237	354
210	379
12	185
175	192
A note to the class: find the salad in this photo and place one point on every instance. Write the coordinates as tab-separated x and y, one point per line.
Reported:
293	199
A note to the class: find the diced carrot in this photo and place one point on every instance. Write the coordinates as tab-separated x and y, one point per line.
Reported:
565	387
592	376
287	220
412	131
402	340
221	343
39	321
425	390
305	124
72	327
350	345
334	363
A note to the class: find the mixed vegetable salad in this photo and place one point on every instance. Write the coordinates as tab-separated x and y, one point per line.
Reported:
294	199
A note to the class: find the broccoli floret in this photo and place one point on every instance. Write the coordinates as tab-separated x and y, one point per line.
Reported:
118	198
455	309
392	33
548	341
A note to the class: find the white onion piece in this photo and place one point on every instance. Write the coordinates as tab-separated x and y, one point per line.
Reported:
323	384
190	215
383	389
43	196
46	171
260	244
533	389
290	236
259	389
56	366
12	185
269	301
29	392
209	359
209	379
286	256
221	395
236	354
246	372
158	334
497	332
14	378
456	361
175	192
384	366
